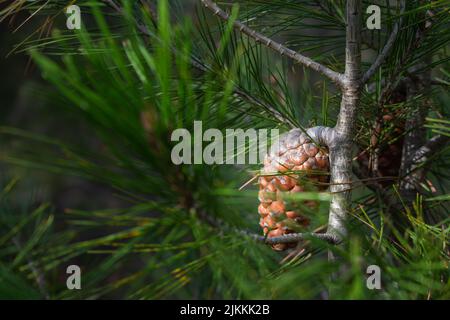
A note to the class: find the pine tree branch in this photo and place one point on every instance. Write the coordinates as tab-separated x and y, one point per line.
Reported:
291	237
433	145
339	139
321	135
296	237
278	47
199	65
410	173
288	238
341	143
387	48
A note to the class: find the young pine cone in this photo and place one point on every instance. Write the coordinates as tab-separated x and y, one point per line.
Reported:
280	177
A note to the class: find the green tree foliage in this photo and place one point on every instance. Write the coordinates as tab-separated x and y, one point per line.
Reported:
134	75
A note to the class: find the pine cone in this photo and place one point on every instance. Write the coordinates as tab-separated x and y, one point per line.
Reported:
389	154
294	152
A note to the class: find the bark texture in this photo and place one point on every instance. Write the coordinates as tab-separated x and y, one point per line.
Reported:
341	143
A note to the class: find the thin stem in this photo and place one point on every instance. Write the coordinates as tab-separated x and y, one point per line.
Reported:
431	147
278	47
387	48
288	238
296	237
413	170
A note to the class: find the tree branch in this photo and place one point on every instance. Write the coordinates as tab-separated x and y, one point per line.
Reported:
296	237
412	173
415	137
339	140
321	135
387	48
288	238
199	65
341	144
278	47
431	147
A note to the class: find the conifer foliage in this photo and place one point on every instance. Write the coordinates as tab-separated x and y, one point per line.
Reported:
359	178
